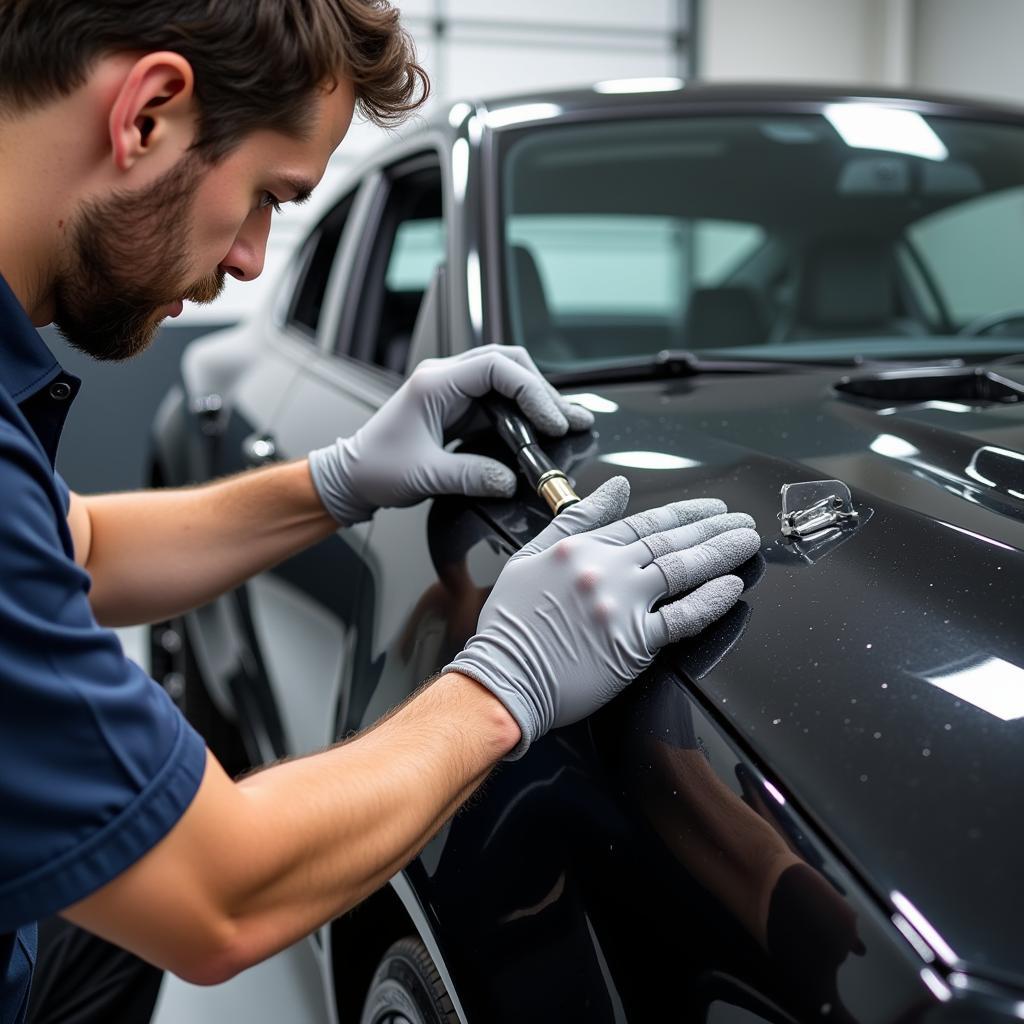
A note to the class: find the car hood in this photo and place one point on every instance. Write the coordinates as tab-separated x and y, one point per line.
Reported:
881	679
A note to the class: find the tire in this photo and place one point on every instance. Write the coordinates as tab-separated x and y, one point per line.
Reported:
407	989
174	667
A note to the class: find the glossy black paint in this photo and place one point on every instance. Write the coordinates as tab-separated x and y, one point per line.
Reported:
834	682
786	819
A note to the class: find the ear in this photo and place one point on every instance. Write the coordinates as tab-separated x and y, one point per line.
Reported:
154	109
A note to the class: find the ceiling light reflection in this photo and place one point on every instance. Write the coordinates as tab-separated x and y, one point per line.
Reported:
627	85
595	403
945	406
474	291
994	685
1000	453
906	929
458	113
648	460
460	168
894	447
936	984
976	536
872	126
924	927
521	113
917	406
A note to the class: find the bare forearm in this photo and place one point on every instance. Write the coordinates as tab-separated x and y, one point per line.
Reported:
154	554
253	866
386	794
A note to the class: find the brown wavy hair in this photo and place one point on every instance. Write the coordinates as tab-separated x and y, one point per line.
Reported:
256	62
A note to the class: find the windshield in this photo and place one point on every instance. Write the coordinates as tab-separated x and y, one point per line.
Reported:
866	231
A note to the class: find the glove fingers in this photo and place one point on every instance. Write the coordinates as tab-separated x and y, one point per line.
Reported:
601	507
693	613
473	475
698	508
578	417
487	370
668	517
695	533
689	568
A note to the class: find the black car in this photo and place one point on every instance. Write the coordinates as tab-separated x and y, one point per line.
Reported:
806	301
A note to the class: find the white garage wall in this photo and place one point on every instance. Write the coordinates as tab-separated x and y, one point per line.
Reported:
741	40
967	47
846	41
973	47
491	47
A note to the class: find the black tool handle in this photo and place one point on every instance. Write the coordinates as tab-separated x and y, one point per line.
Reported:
510	423
543	476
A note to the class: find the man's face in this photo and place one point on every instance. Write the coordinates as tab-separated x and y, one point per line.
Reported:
134	256
130	258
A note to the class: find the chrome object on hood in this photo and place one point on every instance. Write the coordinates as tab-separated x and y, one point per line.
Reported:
815	505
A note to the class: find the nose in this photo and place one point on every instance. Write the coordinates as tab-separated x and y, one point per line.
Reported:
244	260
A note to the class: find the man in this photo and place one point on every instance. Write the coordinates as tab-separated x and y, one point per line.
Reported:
143	146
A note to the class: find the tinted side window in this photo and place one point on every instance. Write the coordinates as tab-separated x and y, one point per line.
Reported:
418	248
318	258
409	244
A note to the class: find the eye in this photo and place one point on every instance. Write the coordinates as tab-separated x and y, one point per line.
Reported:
269	199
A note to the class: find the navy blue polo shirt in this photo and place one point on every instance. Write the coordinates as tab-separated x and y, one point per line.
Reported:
96	763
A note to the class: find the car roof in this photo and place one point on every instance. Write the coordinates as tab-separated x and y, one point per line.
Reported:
616	97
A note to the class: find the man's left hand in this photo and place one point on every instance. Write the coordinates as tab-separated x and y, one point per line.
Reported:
398	458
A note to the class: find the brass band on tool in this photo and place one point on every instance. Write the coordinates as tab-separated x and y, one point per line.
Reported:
555	489
543	475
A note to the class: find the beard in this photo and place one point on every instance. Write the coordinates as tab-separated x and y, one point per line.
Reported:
129	256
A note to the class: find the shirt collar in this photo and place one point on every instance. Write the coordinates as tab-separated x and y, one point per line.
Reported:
26	364
30	375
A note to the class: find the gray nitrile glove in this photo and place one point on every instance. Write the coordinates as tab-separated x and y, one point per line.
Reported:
569	622
398	457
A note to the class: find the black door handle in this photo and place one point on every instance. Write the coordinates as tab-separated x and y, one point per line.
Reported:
259	450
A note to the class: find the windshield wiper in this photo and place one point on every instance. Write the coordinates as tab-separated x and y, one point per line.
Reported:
675	362
671	363
1017	357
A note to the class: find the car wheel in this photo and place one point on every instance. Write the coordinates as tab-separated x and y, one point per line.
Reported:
173	665
407	989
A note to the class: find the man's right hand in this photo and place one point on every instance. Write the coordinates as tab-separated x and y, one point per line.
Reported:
569	622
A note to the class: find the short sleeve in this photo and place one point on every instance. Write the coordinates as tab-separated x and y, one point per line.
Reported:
96	763
63	491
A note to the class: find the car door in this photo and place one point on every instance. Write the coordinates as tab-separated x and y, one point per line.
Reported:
287	635
315	615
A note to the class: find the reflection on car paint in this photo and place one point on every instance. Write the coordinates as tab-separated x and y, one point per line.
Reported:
733	832
999	468
992	684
